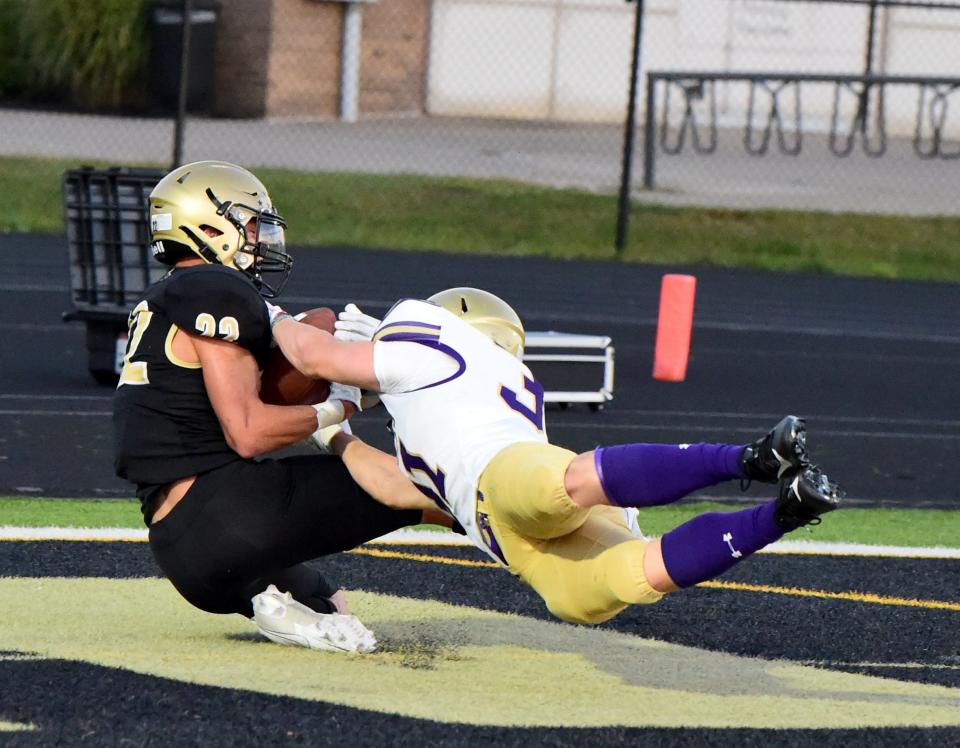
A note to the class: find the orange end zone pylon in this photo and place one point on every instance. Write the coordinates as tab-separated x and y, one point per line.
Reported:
674	327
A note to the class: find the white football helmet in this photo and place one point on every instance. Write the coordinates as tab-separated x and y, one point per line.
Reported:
488	313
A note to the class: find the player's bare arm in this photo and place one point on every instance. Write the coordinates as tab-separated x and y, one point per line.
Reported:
232	379
378	474
317	353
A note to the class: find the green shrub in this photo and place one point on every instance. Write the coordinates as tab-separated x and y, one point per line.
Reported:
12	72
93	51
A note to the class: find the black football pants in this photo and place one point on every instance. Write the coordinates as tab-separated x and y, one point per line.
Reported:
249	524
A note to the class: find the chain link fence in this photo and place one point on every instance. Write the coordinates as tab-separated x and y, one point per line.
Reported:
842	106
747	103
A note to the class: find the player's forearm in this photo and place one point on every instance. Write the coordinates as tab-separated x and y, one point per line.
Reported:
318	354
303	346
378	474
264	428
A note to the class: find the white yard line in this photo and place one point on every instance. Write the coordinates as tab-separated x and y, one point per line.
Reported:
433	537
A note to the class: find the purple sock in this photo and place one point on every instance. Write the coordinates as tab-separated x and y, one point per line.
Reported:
651	474
709	544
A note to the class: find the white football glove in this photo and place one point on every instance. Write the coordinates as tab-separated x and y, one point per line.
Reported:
321	438
345	392
354	326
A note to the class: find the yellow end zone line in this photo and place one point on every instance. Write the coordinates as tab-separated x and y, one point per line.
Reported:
425	557
859	597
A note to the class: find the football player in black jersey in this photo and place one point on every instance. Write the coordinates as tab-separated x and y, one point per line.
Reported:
188	422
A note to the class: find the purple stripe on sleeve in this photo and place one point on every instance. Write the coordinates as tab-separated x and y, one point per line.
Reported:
410	337
437	345
411	323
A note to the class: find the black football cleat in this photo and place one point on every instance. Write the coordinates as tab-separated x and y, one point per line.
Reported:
781	452
804	496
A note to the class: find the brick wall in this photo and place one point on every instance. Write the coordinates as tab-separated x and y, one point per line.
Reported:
304	77
243	48
393	57
281	58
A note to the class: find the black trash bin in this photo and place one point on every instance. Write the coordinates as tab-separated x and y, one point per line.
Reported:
166	38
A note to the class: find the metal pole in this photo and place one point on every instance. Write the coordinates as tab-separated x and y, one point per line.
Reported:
868	67
350	61
623	209
871	33
184	85
649	135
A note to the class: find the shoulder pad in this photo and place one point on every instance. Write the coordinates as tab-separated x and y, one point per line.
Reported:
217	302
411	320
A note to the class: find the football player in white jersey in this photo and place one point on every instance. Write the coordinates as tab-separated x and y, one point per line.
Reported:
468	418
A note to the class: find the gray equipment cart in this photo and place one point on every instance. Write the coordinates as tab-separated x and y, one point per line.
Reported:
108	236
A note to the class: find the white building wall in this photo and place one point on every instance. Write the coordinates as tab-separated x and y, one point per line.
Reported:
569	60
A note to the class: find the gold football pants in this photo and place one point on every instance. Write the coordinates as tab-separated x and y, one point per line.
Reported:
585	564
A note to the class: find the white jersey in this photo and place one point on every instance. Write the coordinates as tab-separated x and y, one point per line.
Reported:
457	399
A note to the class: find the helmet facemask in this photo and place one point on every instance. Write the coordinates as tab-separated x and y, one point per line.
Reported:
266	254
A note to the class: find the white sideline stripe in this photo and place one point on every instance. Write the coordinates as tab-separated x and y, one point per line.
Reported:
812	547
74	533
435	537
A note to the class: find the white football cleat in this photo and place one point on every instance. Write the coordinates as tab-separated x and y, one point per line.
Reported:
283	620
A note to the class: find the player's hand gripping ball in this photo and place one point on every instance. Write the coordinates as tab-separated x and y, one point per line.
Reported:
281	384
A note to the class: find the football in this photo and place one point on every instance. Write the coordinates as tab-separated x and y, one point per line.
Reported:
281	384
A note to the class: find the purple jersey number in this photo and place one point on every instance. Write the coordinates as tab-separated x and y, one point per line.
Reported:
413	463
534	388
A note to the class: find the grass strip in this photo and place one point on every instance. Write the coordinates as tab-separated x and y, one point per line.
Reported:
92	513
915	528
509	218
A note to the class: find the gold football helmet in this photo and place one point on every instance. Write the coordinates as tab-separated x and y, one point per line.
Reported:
223	214
489	314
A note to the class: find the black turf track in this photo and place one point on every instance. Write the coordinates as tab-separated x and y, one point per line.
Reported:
874	365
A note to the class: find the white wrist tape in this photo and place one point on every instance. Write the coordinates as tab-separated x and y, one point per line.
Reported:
322	438
329	413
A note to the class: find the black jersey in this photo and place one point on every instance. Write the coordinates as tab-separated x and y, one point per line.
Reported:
165	427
